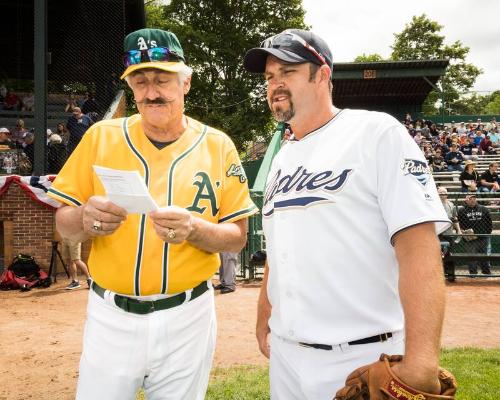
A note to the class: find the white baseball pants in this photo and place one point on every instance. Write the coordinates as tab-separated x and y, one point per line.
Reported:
304	373
168	352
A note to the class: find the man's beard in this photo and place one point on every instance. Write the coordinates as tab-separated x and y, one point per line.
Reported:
280	114
286	115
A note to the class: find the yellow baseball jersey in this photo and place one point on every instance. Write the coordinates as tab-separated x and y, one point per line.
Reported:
200	171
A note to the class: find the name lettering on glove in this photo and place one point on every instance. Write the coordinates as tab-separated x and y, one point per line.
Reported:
398	391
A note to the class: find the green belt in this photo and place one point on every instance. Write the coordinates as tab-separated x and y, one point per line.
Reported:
136	306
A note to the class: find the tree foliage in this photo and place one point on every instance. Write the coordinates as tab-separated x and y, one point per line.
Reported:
369	58
493	106
215	34
421	40
473	104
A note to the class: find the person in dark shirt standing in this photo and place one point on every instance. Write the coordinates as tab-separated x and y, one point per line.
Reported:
475	219
77	125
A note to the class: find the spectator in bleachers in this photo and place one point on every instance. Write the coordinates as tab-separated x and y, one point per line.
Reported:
49	134
418	136
454	159
469	178
486	146
408	119
492	124
71	103
29	147
426	132
494	137
489	179
56	154
19	132
467	149
478	137
90	105
3	91
434	130
475	219
461	130
427	150
5	142
11	101
446	238
437	162
77	125
451	211
28	102
63	132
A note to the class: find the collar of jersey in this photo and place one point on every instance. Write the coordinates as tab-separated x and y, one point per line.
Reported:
317	130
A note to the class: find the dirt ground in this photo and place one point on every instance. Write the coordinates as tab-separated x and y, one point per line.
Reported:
41	332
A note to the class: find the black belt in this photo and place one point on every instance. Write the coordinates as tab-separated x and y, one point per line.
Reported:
137	306
372	339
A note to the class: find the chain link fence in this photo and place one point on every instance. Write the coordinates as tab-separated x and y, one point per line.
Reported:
471	247
85	45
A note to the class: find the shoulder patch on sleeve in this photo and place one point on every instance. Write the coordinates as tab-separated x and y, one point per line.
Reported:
416	168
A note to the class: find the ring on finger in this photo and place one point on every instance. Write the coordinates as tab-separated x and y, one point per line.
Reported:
97	225
171	233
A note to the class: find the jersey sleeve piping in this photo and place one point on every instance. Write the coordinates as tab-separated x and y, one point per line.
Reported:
239	214
446	224
63	197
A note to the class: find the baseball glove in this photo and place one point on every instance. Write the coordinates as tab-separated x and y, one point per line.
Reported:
377	382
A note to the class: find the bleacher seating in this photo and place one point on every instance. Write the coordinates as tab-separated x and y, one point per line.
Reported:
55	114
450	180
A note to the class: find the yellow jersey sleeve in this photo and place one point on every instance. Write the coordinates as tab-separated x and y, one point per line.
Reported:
235	200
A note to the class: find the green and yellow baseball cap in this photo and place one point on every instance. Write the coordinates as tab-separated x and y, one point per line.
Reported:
152	48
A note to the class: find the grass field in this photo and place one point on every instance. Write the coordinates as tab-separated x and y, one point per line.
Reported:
477	372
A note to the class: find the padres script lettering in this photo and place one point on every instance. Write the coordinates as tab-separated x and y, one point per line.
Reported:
301	180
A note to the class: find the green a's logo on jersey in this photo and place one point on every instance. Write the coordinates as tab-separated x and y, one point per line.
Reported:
238	171
205	193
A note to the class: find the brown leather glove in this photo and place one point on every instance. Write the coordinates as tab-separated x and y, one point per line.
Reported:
377	382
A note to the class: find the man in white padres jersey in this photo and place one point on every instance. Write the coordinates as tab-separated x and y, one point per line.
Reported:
151	318
354	266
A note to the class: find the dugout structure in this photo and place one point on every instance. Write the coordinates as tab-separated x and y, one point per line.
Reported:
395	87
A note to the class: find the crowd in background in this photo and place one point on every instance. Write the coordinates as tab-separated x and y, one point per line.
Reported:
447	147
455	148
17	142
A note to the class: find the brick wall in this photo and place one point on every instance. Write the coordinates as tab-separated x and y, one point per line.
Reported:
28	226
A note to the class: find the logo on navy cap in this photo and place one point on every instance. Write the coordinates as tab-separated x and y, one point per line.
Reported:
419	169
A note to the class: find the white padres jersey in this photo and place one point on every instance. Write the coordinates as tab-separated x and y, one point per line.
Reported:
333	202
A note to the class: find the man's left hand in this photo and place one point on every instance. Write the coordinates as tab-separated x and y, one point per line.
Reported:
425	379
172	224
387	379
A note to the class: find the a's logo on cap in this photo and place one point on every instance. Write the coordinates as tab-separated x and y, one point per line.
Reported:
143	45
419	169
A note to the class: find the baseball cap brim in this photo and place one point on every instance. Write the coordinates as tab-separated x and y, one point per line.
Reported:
172	66
255	59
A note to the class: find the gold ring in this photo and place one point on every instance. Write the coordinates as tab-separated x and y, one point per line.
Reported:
97	225
171	233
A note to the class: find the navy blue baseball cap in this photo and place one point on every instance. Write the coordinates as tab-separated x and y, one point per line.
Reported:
292	46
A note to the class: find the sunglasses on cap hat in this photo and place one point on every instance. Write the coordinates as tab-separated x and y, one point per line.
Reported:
133	57
287	39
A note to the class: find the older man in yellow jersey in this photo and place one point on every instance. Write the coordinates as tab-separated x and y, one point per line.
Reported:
151	320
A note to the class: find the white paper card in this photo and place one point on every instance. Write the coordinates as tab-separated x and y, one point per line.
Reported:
126	189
